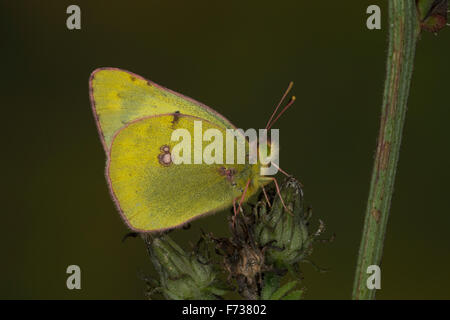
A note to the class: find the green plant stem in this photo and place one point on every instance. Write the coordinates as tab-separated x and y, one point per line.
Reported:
403	33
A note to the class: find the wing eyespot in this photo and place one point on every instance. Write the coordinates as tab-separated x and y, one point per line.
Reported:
165	157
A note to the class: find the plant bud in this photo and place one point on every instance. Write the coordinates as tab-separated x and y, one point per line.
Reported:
284	233
183	276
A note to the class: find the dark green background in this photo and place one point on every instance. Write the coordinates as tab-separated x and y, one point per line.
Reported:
237	57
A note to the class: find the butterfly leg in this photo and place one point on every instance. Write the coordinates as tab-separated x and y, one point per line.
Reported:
240	202
243	195
279	194
130	235
267	198
235	213
285	173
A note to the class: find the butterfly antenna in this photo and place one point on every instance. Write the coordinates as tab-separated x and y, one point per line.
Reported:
282	111
281	101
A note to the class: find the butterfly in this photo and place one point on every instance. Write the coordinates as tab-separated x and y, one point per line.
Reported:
136	120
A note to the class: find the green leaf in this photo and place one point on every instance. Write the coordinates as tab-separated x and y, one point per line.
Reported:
271	283
281	292
294	295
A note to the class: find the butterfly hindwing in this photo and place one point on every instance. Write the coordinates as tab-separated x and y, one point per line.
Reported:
151	191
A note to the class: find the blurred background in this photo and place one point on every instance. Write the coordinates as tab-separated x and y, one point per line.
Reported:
237	57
